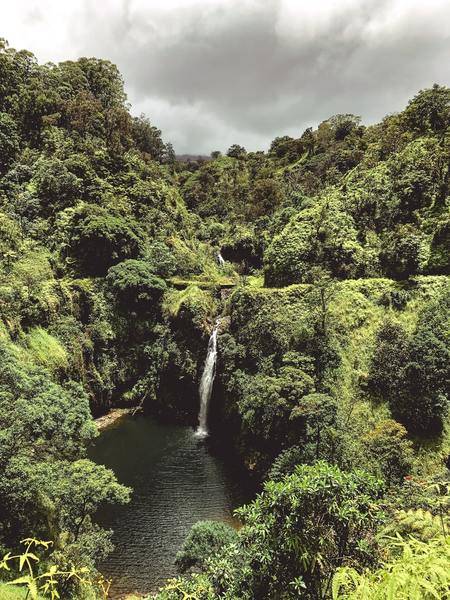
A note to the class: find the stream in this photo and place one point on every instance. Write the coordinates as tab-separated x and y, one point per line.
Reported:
178	479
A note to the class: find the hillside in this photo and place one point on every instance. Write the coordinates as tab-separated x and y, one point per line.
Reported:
333	348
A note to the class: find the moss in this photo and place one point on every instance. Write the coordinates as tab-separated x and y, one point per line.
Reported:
199	302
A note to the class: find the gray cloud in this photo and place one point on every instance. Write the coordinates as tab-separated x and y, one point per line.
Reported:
214	72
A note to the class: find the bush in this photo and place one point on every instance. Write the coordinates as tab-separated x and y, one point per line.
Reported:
298	531
389	450
134	284
161	259
204	541
100	239
414	570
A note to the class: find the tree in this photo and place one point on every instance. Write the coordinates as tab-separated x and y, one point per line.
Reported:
389	451
205	540
104	81
135	285
319	412
161	259
46	486
439	261
236	151
412	373
147	138
10	235
56	187
169	154
391	354
429	111
296	534
323	235
266	405
100	239
401	252
266	197
425	403
78	489
9	141
285	147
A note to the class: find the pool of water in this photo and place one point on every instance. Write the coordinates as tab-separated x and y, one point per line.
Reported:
177	480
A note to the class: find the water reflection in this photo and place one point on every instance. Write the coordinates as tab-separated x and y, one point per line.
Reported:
176	482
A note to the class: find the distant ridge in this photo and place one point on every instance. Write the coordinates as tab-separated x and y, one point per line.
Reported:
192	157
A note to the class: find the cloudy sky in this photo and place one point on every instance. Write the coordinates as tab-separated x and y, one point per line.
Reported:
210	73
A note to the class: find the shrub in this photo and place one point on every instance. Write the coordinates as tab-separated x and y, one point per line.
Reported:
414	570
134	284
298	531
205	540
100	239
389	450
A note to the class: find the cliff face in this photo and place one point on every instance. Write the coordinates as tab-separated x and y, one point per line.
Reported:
285	345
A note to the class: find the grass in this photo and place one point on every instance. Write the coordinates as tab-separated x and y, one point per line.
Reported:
221	282
200	300
13	592
46	350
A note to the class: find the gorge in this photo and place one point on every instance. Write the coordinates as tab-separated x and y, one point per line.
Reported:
301	380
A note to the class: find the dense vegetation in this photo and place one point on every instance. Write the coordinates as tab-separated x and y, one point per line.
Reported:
333	370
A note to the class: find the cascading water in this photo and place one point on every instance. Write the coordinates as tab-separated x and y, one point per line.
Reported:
220	259
207	382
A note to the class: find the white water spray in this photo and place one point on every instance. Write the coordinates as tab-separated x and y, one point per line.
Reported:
220	259
207	382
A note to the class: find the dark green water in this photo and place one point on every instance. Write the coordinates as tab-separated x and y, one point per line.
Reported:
177	480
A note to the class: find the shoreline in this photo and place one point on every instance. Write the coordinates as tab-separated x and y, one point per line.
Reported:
114	415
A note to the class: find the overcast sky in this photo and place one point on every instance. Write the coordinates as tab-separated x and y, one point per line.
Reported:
210	73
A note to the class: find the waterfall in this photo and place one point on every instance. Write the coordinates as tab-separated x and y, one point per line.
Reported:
220	259
207	381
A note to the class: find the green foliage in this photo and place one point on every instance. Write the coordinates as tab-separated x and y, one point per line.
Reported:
192	304
96	212
9	238
322	235
268	404
44	428
134	285
319	412
299	530
47	582
46	350
412	371
9	141
13	593
416	571
439	260
100	239
296	533
56	186
161	259
204	541
418	523
389	449
429	111
236	151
